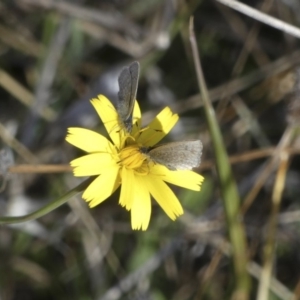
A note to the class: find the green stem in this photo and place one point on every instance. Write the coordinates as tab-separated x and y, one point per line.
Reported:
47	208
229	189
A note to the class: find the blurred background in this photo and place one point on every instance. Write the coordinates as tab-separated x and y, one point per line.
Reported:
55	56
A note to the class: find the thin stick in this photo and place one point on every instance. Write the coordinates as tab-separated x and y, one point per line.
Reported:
40	169
264	18
206	165
249	156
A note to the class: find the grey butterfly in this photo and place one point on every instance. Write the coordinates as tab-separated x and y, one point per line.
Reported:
183	155
128	84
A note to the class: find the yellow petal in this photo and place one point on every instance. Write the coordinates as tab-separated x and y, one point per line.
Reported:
141	205
158	128
102	187
164	196
109	117
92	164
88	140
127	189
136	118
184	178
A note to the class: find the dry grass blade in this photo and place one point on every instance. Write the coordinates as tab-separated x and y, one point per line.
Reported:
112	21
23	95
14	40
268	169
16	145
137	276
269	248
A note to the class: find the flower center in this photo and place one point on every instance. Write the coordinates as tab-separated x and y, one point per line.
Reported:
131	157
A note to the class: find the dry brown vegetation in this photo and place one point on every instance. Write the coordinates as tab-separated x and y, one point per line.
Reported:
56	55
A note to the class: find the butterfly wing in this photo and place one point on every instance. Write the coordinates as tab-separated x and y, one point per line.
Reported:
128	83
183	155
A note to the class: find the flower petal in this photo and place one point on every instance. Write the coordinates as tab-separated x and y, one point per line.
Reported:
109	117
136	118
92	164
164	196
158	128
141	205
102	187
127	190
88	140
184	178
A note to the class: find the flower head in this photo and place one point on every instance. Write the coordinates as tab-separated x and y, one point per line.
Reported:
121	162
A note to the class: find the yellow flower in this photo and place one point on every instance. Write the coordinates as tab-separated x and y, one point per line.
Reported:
120	162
